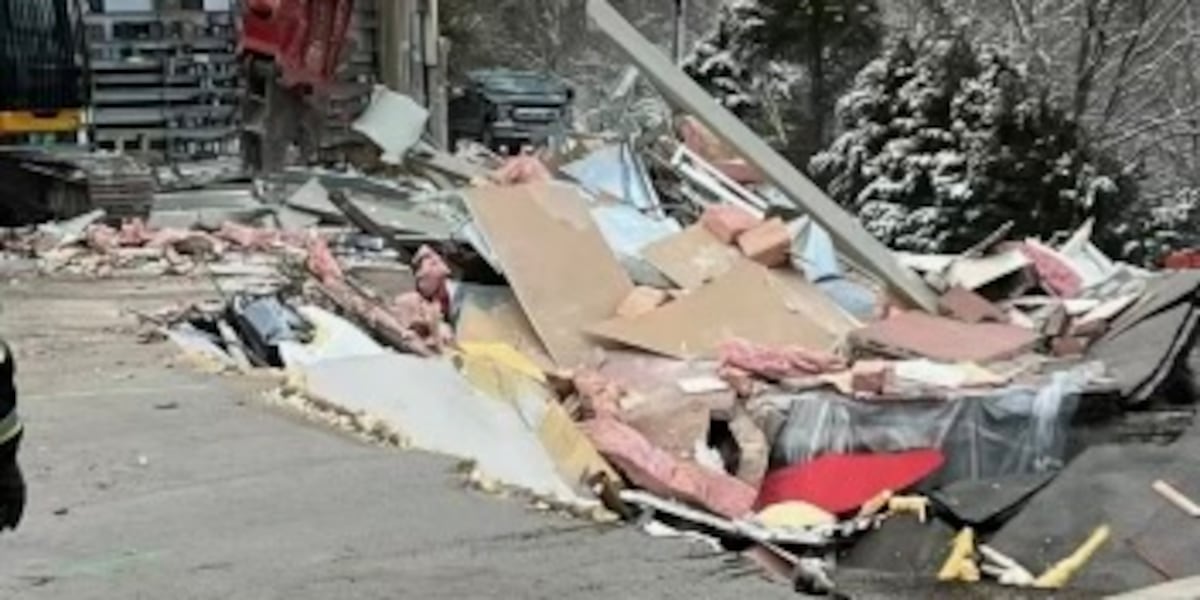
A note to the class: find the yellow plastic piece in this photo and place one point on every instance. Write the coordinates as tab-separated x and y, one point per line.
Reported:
960	565
506	355
795	514
1058	575
23	121
915	505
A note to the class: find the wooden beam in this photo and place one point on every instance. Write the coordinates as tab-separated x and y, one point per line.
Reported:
848	234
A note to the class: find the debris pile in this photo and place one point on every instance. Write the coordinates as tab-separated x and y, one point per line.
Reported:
696	349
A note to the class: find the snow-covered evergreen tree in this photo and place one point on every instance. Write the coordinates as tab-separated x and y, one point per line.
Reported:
723	61
1148	231
942	144
778	64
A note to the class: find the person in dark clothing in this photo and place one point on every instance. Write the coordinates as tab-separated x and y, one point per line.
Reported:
12	484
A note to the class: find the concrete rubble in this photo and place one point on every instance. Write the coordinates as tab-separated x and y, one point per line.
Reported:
582	333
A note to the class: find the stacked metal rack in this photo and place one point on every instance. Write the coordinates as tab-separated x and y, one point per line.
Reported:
164	82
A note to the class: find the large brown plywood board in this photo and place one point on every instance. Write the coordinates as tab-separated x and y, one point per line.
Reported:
562	271
748	302
692	257
809	300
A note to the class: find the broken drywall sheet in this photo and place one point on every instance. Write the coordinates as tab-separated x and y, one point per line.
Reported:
692	258
562	270
334	338
394	122
438	410
747	303
503	374
915	334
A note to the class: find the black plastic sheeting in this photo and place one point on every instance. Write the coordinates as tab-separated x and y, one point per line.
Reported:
263	322
1111	485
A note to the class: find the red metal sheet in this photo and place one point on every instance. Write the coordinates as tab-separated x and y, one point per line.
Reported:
842	483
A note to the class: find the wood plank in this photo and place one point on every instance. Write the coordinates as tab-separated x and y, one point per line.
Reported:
562	271
749	303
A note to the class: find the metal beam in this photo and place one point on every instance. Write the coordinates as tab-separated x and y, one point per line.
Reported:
848	234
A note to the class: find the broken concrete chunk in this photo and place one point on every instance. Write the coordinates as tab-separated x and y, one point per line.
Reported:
728	222
768	244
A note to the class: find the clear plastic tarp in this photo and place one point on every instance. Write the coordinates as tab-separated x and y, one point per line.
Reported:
1008	431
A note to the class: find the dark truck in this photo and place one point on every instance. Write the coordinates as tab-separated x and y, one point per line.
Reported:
506	109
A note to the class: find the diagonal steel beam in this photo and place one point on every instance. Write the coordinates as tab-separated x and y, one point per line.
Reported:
848	234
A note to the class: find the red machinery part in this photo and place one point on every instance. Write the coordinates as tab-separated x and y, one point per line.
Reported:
304	37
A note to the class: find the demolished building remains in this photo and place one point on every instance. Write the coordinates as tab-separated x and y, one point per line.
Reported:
697	352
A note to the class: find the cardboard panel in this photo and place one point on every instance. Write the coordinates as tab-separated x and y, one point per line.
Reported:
749	303
564	274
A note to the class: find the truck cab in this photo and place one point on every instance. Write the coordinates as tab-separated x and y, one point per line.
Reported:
506	109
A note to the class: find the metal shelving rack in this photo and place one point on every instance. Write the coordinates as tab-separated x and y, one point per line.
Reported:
164	82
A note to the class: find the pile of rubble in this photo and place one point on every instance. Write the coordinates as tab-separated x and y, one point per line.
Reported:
652	331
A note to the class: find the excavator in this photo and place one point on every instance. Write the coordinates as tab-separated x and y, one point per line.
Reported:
290	49
41	79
